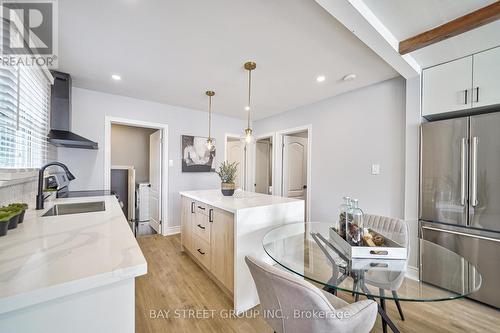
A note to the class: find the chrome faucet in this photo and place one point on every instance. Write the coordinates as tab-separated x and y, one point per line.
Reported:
39	196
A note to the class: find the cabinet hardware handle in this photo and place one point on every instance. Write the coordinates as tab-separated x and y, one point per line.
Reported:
460	234
211	215
474	171
192	207
201	227
202	208
466	92
477	94
202	253
463	167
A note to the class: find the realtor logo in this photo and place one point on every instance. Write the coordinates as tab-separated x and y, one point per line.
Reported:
29	31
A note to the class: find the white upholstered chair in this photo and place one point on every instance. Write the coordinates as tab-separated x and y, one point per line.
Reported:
396	230
289	304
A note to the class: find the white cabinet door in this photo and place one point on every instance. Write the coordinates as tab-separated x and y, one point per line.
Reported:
486	78
447	87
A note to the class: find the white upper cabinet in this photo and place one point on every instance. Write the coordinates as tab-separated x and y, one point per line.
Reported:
447	87
462	84
486	89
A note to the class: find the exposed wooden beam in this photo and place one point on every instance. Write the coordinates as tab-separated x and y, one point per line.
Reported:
453	28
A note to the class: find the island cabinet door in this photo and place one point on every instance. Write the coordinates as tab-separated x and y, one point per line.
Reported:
187	216
222	246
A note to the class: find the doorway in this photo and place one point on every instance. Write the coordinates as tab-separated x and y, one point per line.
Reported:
294	159
236	151
135	169
264	165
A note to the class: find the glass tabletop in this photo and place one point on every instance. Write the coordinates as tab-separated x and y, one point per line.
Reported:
306	250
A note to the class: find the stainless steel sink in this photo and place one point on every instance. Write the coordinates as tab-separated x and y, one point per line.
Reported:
75	208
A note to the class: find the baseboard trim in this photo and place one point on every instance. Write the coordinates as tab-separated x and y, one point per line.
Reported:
171	231
412	273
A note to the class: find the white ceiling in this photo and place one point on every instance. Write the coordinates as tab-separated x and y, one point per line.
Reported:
407	18
172	51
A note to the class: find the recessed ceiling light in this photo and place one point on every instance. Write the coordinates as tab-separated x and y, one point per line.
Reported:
321	78
116	77
349	77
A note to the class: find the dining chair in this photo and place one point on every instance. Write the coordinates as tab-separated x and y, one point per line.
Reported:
396	230
290	304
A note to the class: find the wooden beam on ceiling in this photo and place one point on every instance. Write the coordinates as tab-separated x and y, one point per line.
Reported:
453	28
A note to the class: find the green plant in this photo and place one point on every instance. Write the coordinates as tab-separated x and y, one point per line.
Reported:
10	209
20	206
227	171
5	216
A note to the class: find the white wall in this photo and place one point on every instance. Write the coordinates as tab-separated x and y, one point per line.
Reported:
130	146
349	133
90	108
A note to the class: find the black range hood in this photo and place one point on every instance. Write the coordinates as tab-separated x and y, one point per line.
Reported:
60	116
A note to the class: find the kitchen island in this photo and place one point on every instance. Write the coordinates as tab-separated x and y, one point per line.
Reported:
218	232
70	273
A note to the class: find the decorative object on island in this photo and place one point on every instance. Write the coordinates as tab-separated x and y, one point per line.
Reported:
196	157
227	173
210	141
249	66
10	216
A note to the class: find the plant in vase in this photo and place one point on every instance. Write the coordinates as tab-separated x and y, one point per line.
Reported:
15	213
5	218
227	173
22	207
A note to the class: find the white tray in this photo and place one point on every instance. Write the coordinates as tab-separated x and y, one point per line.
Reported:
392	251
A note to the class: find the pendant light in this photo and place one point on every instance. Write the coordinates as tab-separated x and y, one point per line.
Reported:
210	141
249	66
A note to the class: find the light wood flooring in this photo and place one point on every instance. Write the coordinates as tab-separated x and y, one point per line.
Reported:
174	282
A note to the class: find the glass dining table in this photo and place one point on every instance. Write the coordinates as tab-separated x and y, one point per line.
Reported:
306	249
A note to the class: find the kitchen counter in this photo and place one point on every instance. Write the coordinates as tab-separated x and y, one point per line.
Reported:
219	231
240	199
50	258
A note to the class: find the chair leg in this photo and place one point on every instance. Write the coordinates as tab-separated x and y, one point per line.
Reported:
382	305
400	309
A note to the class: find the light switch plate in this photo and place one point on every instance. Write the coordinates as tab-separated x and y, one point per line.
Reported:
375	169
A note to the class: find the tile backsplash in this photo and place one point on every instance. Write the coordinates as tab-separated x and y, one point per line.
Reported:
25	192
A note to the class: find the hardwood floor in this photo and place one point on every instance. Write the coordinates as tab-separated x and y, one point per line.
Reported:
176	284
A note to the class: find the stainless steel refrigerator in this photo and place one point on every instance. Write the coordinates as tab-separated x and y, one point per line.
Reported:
460	198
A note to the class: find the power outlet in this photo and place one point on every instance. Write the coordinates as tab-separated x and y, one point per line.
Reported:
375	169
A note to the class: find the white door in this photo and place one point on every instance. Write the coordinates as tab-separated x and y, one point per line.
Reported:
447	87
294	178
155	153
262	166
236	153
294	167
486	78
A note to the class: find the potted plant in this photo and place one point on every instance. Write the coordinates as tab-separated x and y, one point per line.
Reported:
14	213
227	173
4	222
22	207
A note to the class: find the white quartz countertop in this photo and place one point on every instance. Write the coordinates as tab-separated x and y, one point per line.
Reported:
49	257
240	199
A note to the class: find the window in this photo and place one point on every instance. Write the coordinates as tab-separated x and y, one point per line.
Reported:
24	117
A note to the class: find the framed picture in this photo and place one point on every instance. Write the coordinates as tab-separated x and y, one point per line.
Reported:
196	157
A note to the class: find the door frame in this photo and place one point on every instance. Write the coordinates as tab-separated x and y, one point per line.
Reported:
279	162
246	171
271	135
108	120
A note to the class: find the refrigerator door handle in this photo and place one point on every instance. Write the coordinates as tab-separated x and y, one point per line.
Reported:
462	173
474	171
461	234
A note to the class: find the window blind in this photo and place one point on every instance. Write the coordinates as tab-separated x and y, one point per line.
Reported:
24	117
